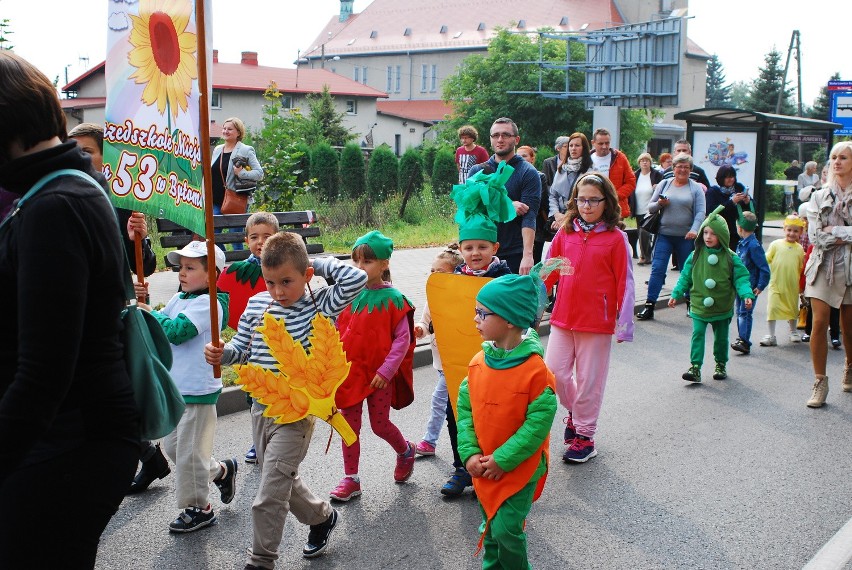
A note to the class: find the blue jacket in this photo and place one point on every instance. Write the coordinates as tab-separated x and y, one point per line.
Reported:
753	257
523	186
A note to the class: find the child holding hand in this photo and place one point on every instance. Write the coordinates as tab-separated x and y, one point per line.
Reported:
594	301
506	408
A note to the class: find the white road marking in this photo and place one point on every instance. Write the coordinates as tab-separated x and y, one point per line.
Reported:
835	553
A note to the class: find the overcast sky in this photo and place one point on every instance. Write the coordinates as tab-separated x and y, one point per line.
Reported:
739	32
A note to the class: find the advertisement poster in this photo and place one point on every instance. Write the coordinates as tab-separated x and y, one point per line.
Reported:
712	149
840	105
152	149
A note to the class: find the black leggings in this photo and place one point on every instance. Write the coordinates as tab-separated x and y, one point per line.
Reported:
454	435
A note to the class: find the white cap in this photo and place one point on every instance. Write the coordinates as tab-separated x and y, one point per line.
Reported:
805	193
196	249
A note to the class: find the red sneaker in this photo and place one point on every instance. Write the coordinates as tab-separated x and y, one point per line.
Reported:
346	489
424	448
404	464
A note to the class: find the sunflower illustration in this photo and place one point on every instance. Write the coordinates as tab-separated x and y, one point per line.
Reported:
163	53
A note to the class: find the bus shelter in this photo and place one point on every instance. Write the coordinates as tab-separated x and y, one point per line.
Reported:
740	138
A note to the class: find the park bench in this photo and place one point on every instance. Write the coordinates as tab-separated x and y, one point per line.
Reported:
302	222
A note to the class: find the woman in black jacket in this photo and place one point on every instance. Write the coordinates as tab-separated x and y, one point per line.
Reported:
728	193
70	434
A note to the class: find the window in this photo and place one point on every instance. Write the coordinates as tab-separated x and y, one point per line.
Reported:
356	74
351	107
364	75
423	71
216	99
398	83
389	86
286	101
433	82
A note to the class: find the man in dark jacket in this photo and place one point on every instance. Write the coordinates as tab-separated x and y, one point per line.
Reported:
516	237
683	147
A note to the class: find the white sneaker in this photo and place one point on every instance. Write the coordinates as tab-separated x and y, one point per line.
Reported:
769	340
794	337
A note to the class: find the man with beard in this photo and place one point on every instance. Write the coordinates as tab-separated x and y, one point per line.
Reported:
516	238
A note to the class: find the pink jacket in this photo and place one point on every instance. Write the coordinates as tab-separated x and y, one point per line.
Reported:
596	293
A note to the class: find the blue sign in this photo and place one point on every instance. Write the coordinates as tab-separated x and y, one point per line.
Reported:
840	104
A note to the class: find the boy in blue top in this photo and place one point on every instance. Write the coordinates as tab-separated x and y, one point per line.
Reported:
186	322
751	253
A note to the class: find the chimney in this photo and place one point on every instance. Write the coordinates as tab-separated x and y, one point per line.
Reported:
249	58
215	56
345	9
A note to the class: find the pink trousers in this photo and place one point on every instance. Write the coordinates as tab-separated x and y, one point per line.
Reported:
580	362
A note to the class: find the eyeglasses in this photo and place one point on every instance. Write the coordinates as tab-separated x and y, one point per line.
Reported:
481	314
503	135
593	202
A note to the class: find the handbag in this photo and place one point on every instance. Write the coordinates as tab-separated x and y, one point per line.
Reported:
147	351
651	223
234	202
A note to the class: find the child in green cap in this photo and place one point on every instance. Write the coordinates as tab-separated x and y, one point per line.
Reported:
506	408
377	331
712	274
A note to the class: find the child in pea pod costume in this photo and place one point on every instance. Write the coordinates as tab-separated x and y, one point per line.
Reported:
712	275
506	408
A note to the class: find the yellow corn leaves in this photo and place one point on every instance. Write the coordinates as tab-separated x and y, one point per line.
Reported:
306	383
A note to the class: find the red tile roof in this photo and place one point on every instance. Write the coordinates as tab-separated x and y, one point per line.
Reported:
257	78
694	50
431	111
388	20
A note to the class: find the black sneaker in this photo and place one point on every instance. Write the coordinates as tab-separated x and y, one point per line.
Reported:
192	519
318	536
227	482
740	346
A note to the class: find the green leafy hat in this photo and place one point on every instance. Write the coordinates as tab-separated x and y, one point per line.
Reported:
483	202
381	245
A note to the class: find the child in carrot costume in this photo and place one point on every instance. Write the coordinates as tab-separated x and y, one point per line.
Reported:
506	408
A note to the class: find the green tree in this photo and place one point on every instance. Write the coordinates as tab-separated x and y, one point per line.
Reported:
280	156
353	172
328	120
480	90
739	94
325	168
411	171
763	94
303	164
382	173
718	94
5	32
444	172
636	130
821	110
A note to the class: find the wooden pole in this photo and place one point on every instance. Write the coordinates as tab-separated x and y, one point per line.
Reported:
204	137
140	270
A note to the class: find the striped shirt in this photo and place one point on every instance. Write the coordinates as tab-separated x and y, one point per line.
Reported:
330	301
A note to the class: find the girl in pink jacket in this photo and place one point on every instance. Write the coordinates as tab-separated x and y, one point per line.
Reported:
594	300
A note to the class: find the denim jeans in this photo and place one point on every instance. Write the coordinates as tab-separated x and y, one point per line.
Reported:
663	249
438	410
744	320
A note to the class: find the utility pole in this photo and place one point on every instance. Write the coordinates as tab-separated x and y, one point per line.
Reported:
795	44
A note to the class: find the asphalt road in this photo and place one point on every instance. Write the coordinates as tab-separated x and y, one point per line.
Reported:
726	474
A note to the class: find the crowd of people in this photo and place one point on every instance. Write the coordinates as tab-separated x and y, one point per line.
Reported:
552	240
